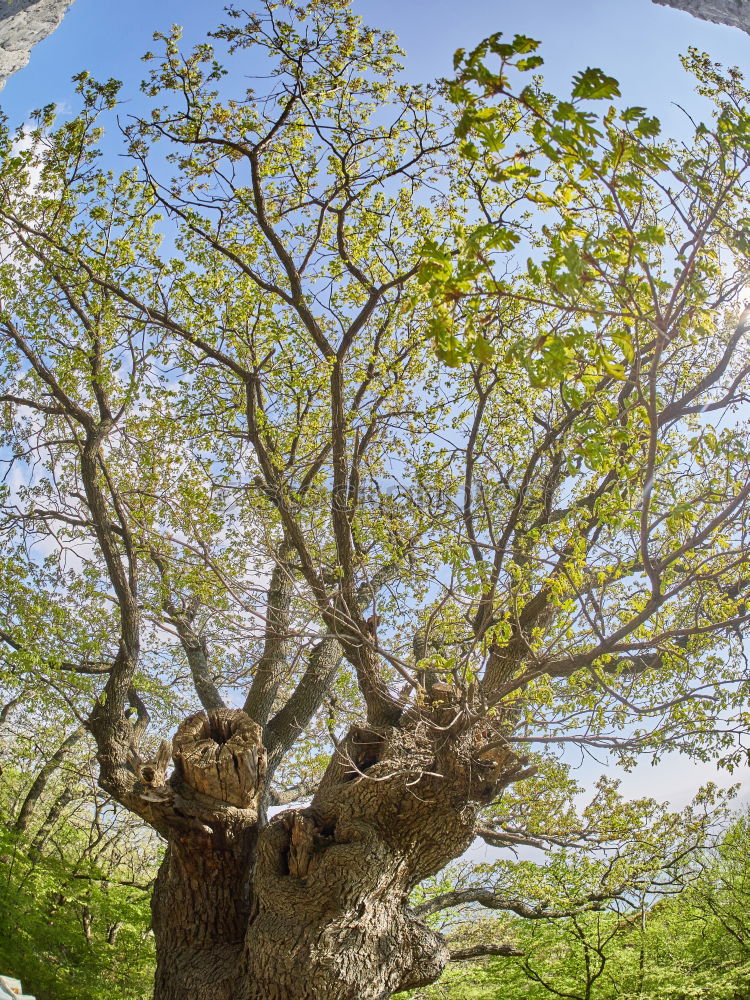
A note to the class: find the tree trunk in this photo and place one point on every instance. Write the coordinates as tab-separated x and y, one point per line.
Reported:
200	912
201	898
313	905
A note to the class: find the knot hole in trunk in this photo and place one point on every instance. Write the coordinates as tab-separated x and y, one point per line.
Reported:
364	749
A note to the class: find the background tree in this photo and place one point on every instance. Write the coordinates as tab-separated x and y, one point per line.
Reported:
238	474
76	871
688	943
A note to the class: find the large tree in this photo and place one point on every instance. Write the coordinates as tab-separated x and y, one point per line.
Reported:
239	472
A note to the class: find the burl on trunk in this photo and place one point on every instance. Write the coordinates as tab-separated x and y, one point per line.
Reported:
312	905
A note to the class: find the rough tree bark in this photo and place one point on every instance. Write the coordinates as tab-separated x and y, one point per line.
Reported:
314	904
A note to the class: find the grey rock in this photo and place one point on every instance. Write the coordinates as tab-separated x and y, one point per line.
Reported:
735	13
23	23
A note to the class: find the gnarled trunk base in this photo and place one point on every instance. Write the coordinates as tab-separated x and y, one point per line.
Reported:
314	906
201	899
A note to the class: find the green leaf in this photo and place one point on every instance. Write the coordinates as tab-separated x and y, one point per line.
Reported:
482	349
593	84
522	43
531	63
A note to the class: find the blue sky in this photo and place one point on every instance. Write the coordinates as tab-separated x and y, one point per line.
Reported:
634	40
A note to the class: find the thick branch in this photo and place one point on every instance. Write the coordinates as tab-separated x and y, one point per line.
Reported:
269	668
478	950
493	901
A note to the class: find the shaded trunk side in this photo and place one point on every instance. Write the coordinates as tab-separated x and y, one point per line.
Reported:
200	910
